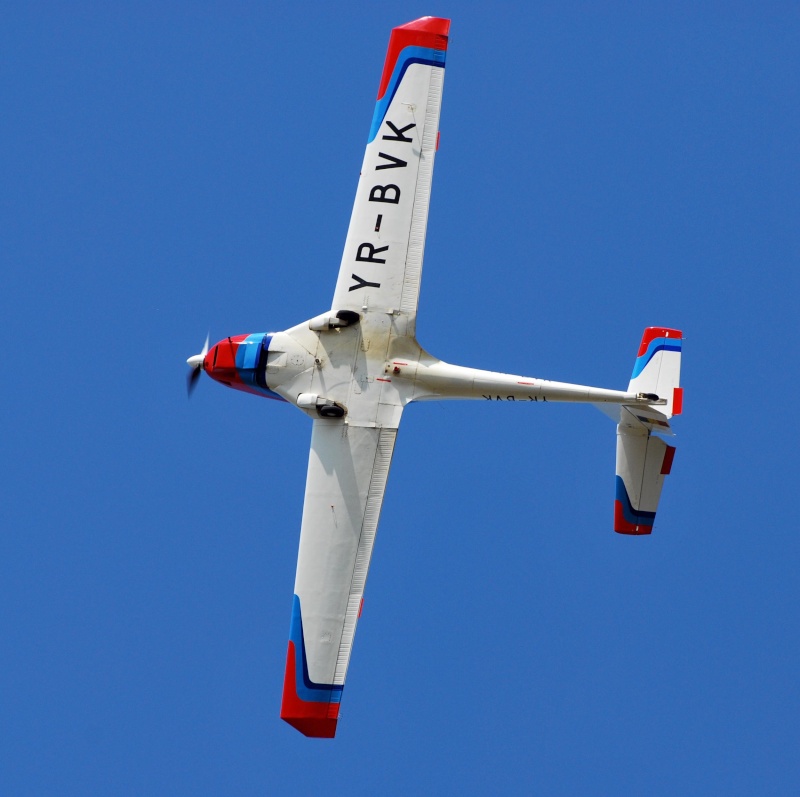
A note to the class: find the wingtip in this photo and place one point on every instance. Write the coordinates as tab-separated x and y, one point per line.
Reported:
427	32
314	719
438	26
314	727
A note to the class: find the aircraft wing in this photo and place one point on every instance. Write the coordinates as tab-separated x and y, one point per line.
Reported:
347	471
382	262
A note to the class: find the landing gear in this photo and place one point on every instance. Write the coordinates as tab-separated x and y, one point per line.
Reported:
325	408
330	321
330	411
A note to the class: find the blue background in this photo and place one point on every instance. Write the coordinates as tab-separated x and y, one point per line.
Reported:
169	168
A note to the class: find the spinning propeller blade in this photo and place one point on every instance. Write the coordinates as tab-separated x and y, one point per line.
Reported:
196	366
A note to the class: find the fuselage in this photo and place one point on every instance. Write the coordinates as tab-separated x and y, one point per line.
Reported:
376	361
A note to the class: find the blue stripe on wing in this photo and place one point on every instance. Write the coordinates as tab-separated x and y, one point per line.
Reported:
408	56
306	688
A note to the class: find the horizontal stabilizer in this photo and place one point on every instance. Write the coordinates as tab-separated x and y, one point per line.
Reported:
637	416
642	417
643	460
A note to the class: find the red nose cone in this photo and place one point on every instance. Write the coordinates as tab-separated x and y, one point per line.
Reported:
220	362
240	362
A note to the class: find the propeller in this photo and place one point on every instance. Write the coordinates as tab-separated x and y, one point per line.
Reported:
195	363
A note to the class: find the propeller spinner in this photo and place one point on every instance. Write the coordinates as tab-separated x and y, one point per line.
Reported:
195	363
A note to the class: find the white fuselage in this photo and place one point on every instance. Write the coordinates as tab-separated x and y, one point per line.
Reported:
377	362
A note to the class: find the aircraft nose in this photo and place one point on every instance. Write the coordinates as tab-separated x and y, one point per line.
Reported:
210	360
220	362
238	361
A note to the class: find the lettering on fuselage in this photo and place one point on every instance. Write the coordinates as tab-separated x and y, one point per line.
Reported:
513	398
385	193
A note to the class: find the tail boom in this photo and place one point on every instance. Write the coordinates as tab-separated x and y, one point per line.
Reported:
435	380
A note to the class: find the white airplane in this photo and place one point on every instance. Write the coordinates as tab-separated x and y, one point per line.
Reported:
354	368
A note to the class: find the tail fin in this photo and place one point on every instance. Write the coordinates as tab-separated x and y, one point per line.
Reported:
657	369
643	460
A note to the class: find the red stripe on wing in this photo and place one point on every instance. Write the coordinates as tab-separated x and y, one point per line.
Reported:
311	719
423	32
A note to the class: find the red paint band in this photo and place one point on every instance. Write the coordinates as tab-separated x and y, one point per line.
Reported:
651	333
666	465
622	526
424	32
311	719
677	401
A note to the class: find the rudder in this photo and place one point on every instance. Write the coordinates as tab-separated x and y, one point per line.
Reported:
657	370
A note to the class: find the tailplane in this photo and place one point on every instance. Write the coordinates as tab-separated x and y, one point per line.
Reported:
643	460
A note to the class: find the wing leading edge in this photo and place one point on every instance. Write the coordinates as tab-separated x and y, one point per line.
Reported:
347	471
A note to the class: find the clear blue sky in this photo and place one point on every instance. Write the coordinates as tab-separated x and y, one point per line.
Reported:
173	168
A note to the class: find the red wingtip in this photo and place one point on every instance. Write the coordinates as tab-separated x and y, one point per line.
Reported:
423	32
435	25
317	720
324	728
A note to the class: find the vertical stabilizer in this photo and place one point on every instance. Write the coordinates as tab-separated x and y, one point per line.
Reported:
657	369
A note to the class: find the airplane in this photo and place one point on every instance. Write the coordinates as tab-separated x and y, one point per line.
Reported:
354	368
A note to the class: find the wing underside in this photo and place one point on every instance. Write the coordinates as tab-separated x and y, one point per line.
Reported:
347	472
348	465
382	262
